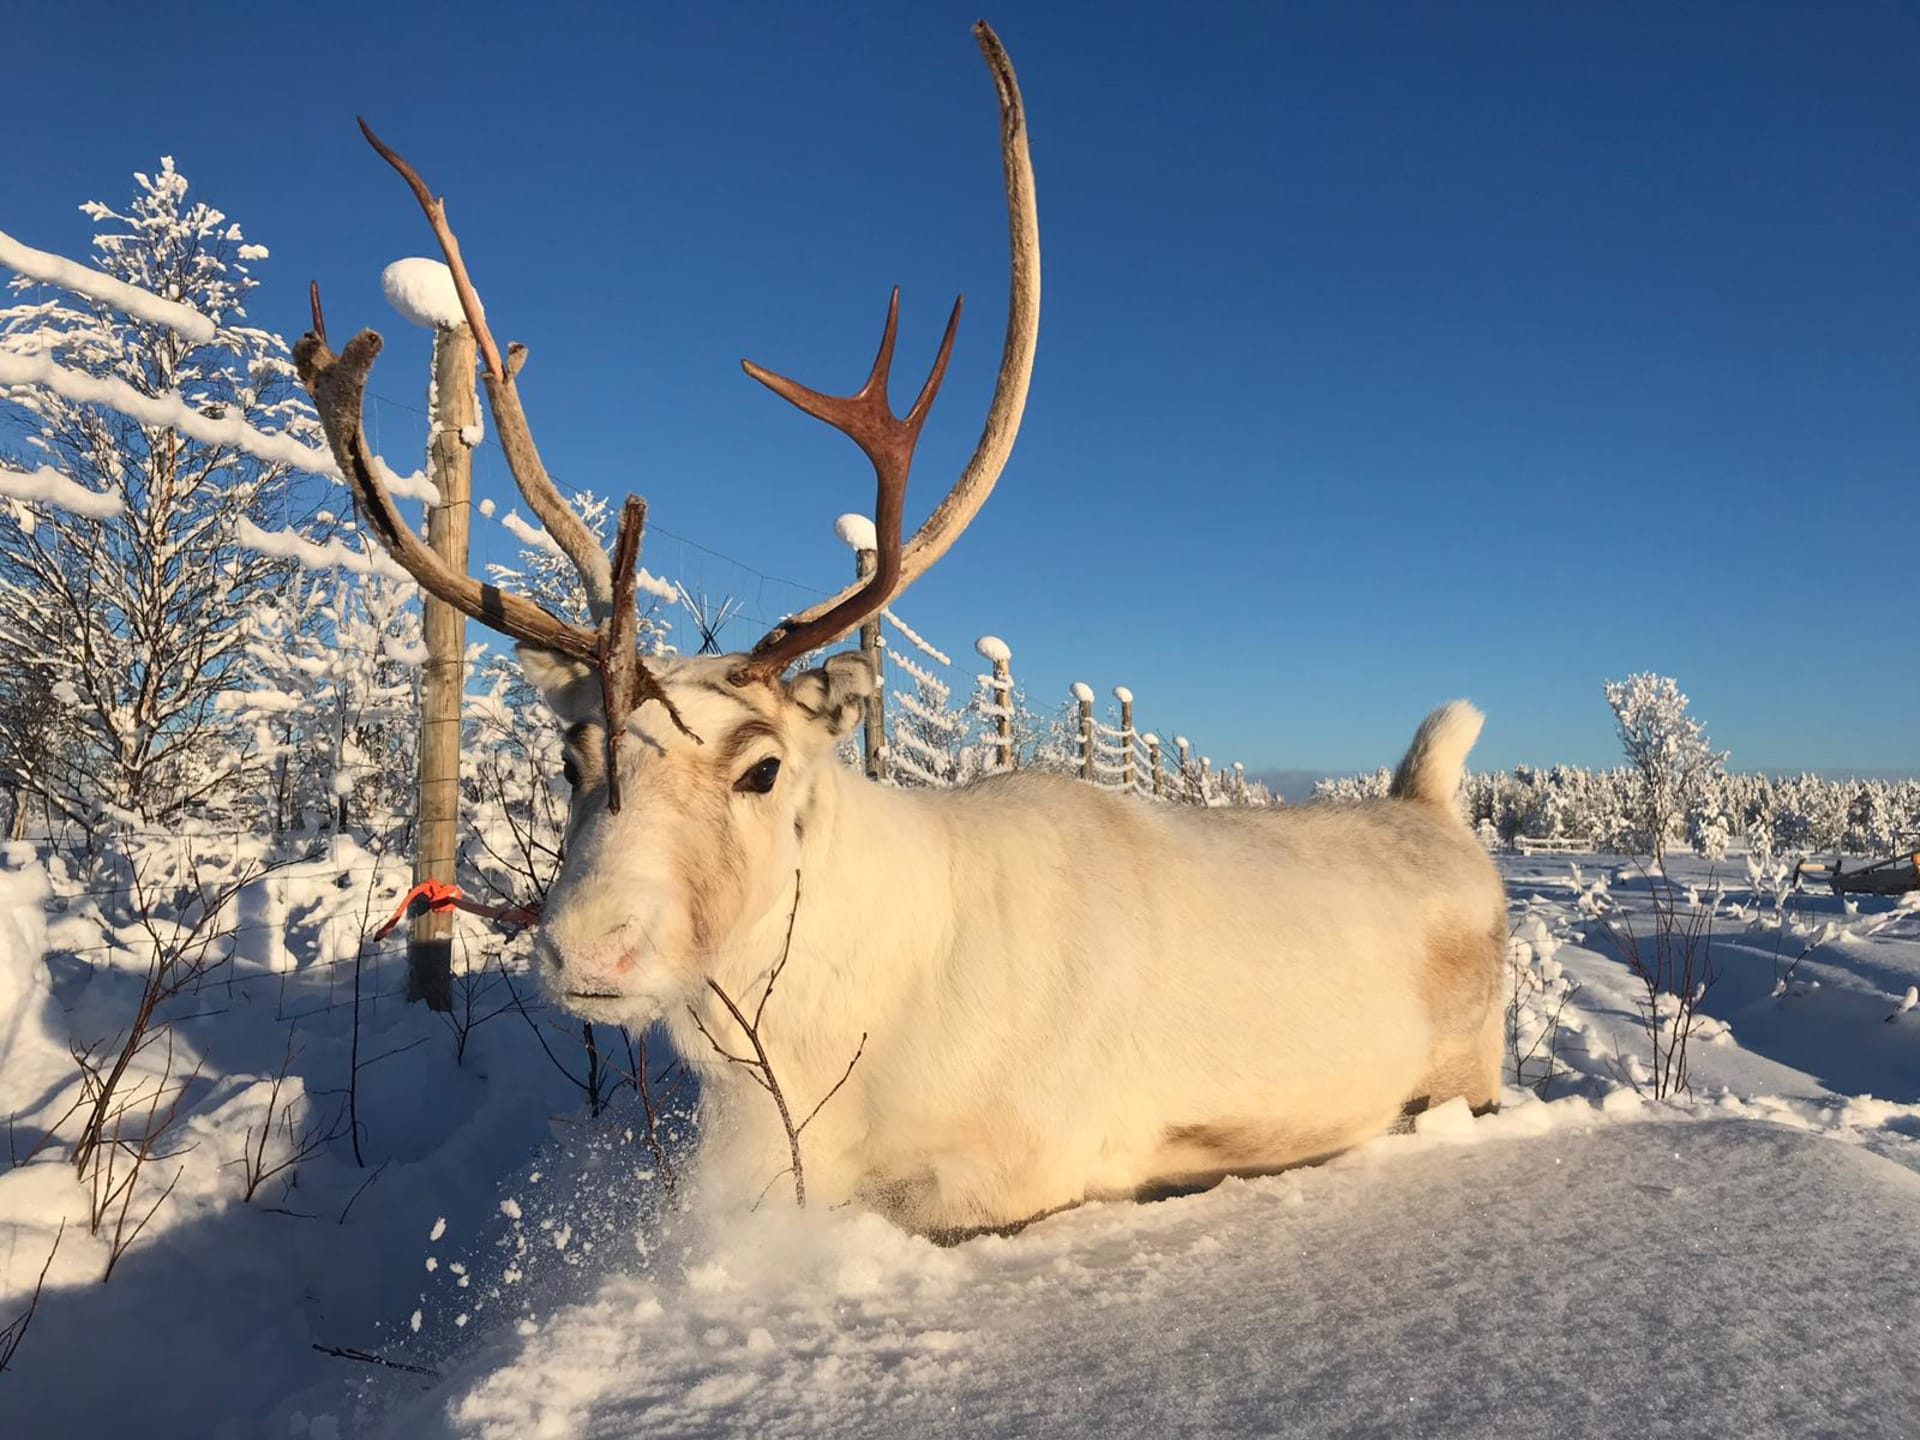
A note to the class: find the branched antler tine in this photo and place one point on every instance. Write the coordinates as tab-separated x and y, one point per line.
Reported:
319	316
510	425
923	402
955	512
338	385
843	412
868	420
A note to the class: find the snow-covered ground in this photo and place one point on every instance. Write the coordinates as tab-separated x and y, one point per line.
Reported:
1744	1259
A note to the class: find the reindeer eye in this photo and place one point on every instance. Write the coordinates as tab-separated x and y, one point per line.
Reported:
572	772
759	780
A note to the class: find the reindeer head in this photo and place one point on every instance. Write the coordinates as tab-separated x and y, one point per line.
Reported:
701	856
693	778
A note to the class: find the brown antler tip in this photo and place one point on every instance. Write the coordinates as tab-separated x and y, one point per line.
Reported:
319	316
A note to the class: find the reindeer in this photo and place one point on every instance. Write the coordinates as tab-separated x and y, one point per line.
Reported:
1053	993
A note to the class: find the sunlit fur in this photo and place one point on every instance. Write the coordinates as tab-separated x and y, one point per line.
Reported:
1065	993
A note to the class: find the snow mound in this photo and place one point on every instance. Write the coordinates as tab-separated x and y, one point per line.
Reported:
1444	1286
1083	692
1123	694
856	532
993	649
423	292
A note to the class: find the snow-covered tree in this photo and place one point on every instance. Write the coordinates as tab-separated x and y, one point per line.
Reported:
327	698
1667	752
544	574
1872	828
132	616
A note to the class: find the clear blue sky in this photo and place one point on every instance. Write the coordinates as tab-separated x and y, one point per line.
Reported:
1389	352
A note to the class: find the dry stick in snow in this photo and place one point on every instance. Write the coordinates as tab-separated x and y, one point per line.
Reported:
16	1329
761	1068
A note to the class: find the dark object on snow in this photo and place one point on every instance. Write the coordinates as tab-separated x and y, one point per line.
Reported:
1868	877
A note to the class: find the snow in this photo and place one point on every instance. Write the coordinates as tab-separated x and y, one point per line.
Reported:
1082	692
47	486
183	320
423	292
856	532
1327	1301
165	410
309	555
993	649
533	536
914	638
1150	738
1123	694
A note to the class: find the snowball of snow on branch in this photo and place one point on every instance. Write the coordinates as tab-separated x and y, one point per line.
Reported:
1083	692
856	532
183	320
993	649
423	292
47	486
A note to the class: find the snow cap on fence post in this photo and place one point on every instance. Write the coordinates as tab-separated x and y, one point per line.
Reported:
423	292
856	532
1153	760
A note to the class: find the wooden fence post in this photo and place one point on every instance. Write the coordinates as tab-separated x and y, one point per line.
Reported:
1239	783
856	532
1153	760
1186	770
992	648
1125	697
1206	780
455	418
1084	694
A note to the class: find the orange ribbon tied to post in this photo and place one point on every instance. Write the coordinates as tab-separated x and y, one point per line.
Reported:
437	895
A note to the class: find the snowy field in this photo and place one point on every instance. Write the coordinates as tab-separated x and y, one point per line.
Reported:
1742	1260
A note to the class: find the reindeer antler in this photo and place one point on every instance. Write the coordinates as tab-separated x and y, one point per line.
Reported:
827	621
338	385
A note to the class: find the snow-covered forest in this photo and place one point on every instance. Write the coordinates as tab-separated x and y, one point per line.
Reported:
250	1189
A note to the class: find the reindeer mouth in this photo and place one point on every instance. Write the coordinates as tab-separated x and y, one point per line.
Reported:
595	995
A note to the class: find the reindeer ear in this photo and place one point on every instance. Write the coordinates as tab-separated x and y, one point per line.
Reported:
570	688
835	694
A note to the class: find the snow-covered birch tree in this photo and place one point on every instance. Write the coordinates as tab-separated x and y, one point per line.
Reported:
1667	752
132	614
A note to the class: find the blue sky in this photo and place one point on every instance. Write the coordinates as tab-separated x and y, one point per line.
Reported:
1388	353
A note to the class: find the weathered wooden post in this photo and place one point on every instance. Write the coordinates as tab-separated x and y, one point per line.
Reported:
993	649
1084	694
1239	783
1186	769
455	415
856	531
1125	697
1153	761
1206	781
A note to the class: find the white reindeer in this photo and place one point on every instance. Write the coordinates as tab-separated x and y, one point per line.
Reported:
1053	992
